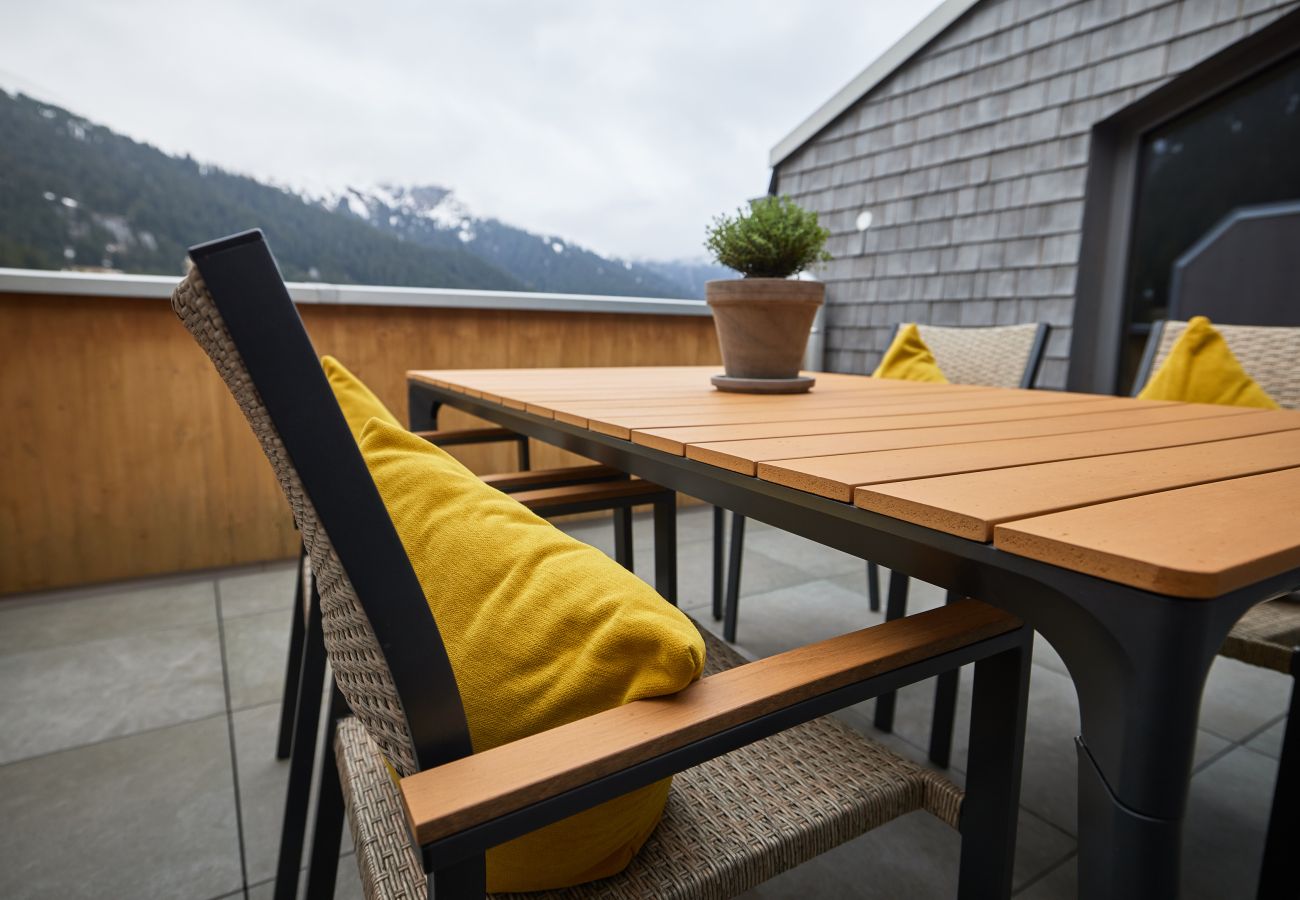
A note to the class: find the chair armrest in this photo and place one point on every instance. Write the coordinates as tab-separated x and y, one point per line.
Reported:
476	789
557	477
449	437
553	501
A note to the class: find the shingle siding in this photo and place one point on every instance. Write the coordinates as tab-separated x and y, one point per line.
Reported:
972	158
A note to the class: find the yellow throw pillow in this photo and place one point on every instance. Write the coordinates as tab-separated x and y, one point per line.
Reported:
541	630
909	359
358	402
1200	368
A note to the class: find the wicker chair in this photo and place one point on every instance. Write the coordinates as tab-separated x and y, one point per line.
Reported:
734	820
1269	634
996	356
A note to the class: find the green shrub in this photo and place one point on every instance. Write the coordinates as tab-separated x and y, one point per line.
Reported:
774	238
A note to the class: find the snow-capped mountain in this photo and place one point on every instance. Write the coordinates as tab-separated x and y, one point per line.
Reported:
433	216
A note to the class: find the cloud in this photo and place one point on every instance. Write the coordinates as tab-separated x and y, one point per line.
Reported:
622	126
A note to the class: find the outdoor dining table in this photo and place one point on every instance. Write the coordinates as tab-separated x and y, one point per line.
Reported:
1131	534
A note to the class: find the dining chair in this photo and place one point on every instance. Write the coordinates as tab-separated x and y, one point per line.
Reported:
769	781
547	492
1269	634
1006	356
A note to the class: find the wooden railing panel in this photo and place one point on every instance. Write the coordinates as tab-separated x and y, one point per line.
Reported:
123	455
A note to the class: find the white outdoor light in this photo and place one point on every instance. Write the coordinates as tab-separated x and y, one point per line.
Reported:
864	220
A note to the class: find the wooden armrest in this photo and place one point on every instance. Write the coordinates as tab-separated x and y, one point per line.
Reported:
544	499
558	477
473	790
449	437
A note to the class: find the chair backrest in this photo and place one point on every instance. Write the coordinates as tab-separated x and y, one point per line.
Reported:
384	647
1270	354
993	355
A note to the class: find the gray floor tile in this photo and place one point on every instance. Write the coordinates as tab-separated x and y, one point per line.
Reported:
695	574
256	647
1269	741
60	619
1240	699
799	614
347	883
262	781
818	560
1059	884
63	697
151	815
1227	817
267	588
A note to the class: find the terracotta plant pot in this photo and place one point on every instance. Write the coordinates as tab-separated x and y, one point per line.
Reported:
763	323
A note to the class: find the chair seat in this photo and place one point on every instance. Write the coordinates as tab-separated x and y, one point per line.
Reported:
730	823
1267	635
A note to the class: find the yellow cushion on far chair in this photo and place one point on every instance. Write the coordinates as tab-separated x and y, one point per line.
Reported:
358	402
1201	368
541	630
909	359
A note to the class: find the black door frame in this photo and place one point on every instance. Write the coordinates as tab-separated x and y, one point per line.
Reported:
1099	314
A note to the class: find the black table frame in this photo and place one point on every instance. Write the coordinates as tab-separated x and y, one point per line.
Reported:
1139	660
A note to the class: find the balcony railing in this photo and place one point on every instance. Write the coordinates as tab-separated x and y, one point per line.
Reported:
123	455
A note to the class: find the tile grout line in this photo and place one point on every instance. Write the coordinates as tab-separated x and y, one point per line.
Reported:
230	732
108	740
1037	878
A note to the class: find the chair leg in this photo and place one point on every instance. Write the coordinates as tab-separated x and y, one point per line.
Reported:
719	533
324	866
302	757
292	665
945	710
873	586
895	608
665	513
1276	879
990	812
623	537
731	612
525	460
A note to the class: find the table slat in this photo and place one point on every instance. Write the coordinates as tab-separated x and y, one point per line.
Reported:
837	476
1197	542
971	505
676	440
623	425
744	456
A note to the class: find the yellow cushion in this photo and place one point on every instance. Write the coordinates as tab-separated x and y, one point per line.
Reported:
358	402
909	359
1200	368
541	630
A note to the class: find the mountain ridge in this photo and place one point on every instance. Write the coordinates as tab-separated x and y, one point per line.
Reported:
75	194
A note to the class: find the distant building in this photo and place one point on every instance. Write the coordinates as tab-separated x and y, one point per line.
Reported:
954	171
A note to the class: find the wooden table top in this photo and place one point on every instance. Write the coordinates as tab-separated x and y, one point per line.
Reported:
1188	500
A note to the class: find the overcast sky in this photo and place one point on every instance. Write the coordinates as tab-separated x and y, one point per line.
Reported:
622	125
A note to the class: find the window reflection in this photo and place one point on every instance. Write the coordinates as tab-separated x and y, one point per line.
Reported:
1242	147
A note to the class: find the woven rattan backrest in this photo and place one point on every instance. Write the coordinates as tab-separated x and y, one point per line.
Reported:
380	645
994	356
1270	354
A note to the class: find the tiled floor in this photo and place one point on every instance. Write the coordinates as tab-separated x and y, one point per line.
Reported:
136	754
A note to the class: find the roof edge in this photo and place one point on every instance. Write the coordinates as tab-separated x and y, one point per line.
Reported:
885	65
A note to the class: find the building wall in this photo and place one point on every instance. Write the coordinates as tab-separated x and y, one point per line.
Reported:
972	159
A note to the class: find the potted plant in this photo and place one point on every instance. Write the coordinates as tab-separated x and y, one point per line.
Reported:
763	318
